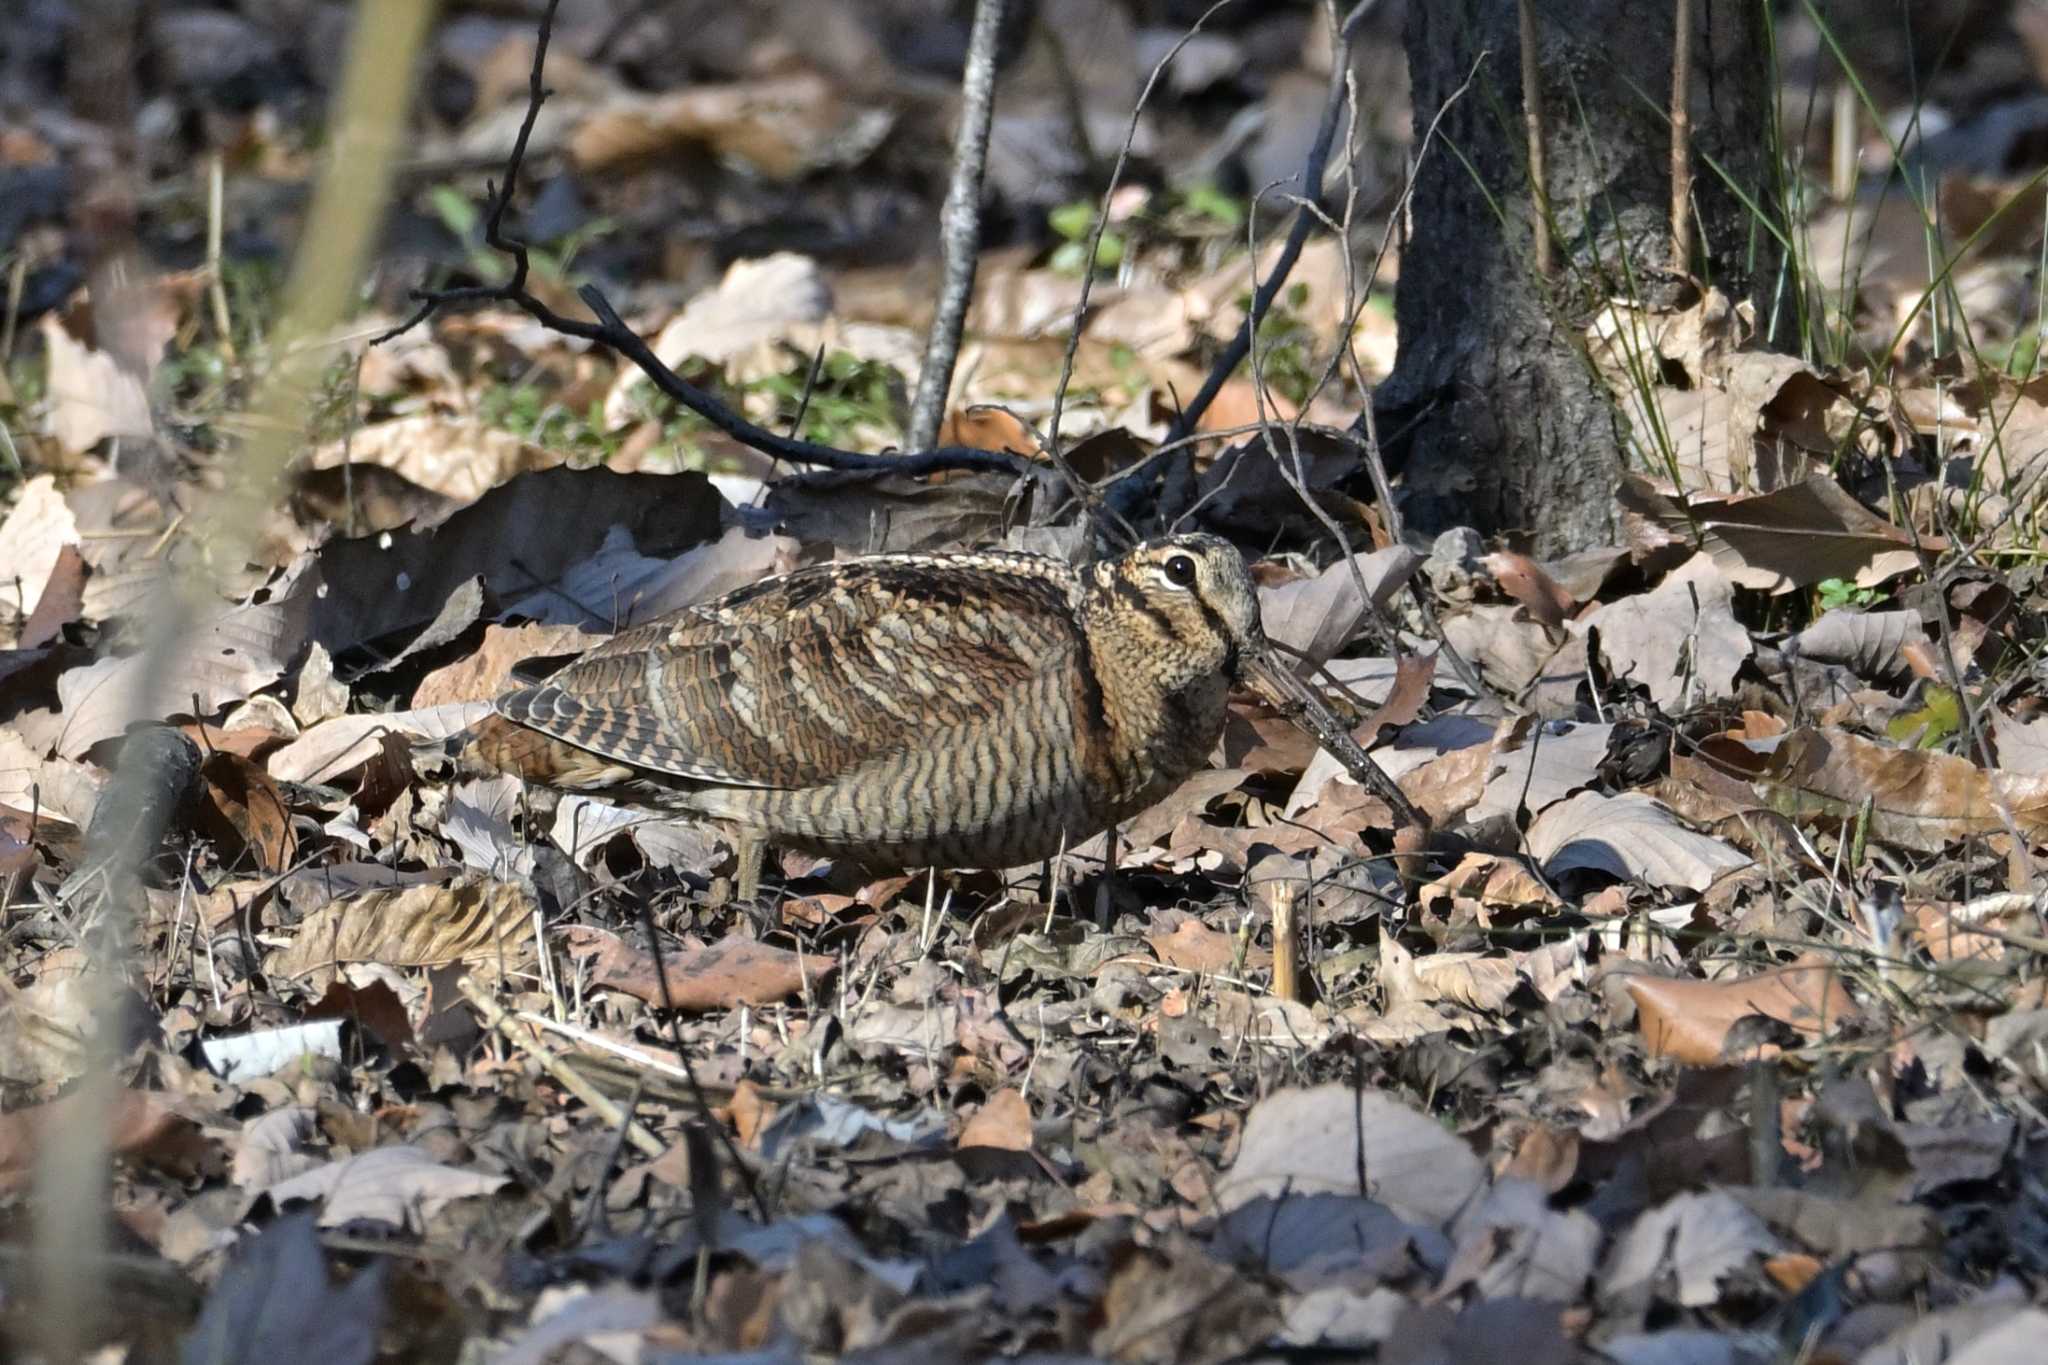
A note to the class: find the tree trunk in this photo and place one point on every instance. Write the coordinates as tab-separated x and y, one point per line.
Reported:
1494	412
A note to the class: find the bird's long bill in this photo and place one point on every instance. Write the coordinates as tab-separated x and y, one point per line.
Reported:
1297	701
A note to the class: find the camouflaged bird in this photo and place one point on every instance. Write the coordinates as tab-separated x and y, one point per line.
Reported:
909	710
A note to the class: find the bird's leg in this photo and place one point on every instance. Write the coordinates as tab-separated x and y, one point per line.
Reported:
750	848
1102	905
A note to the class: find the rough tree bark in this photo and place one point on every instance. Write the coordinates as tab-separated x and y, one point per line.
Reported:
1493	411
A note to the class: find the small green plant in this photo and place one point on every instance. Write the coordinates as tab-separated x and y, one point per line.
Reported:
850	394
1830	593
551	261
1287	344
533	415
1203	207
1072	223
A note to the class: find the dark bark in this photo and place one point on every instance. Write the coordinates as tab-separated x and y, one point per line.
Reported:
1493	411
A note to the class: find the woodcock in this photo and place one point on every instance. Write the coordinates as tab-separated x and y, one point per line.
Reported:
909	710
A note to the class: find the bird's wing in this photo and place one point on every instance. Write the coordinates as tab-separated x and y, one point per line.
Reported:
805	677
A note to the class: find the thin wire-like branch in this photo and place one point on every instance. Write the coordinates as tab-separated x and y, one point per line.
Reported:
1059	394
1532	119
1305	219
611	332
1681	140
959	225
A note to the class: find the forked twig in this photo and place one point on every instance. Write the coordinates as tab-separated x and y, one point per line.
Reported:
611	332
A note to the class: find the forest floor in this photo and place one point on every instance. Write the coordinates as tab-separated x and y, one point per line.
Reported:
1709	1026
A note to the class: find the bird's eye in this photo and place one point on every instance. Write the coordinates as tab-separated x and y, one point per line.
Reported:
1180	571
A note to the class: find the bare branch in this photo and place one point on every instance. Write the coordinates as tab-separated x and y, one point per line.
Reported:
959	225
611	332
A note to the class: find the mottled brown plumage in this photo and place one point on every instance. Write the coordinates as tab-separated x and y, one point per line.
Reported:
963	710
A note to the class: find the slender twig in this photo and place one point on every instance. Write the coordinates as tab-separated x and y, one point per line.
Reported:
959	225
1532	118
1305	219
552	1062
216	286
611	332
1681	140
697	1096
1059	393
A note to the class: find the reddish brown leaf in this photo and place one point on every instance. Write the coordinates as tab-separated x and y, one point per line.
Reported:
141	1126
985	427
1195	947
250	805
58	605
1412	676
1529	583
732	971
1689	1020
1004	1123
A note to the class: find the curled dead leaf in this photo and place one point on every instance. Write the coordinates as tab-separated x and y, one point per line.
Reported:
1690	1021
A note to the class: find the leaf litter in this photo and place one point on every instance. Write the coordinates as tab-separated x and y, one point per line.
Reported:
1707	1024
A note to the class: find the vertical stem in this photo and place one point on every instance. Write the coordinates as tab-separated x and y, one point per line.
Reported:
1532	116
1842	142
216	287
959	226
1286	943
1681	141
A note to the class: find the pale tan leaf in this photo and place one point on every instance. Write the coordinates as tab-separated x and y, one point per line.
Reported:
457	457
1325	1139
1318	616
1631	836
1680	640
473	919
33	537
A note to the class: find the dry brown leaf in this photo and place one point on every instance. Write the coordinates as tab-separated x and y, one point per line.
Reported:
1193	946
1680	641
1527	582
1494	881
46	786
92	396
488	672
141	1126
333	749
730	972
58	604
1413	674
251	808
1244	403
1187	800
1520	657
1329	1138
1002	1123
1869	643
399	1186
458	458
1689	1020
983	426
223	658
38	529
757	300
1315	617
1776	542
473	919
1472	981
1629	836
779	127
1920	799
